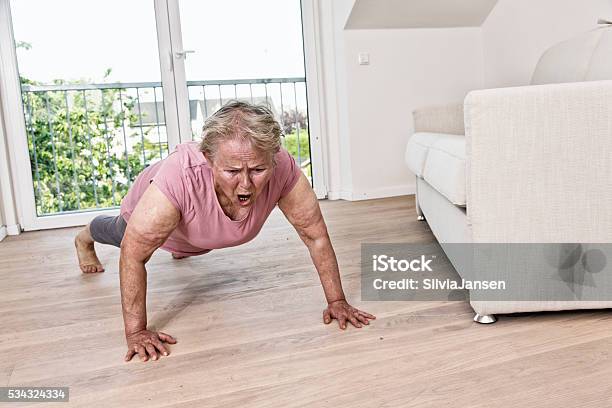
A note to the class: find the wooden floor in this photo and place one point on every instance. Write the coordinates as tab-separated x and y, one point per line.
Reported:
250	332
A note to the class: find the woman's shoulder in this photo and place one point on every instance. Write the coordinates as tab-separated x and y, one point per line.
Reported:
183	164
188	154
286	172
283	159
180	178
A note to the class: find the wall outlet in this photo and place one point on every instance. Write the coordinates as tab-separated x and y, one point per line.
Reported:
364	58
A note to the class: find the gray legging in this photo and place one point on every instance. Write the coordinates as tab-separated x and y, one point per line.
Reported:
107	229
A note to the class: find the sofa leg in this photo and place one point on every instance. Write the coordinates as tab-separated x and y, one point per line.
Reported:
420	216
485	319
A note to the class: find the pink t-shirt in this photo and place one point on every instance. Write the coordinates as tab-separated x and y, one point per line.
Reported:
186	179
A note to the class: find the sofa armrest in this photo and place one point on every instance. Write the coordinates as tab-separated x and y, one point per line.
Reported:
440	119
539	163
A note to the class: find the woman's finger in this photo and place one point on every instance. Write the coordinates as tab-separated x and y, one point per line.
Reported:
354	321
151	350
166	337
141	352
327	316
362	319
342	321
369	316
129	355
160	346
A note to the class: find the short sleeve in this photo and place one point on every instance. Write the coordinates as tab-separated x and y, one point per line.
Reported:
169	180
287	171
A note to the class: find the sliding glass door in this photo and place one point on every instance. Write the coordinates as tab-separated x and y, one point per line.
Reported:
109	87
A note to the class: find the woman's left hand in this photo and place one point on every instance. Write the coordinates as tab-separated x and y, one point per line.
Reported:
343	312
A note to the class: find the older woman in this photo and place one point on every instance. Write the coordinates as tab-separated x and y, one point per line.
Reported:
213	195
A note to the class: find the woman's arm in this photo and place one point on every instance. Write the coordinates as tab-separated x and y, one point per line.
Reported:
302	210
152	221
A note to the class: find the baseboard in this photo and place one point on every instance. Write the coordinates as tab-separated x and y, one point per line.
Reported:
13	229
3	232
384	192
339	195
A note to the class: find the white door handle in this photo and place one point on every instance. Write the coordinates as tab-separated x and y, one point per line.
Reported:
183	54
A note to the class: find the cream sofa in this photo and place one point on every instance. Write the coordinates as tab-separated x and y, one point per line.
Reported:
529	164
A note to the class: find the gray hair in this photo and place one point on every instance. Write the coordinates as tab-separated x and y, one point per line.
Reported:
242	121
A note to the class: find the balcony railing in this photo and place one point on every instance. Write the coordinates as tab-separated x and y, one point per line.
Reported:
88	142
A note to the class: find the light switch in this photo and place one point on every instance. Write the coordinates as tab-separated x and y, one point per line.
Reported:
364	58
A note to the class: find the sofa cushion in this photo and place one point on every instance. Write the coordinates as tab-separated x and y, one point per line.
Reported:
600	67
439	159
586	57
416	152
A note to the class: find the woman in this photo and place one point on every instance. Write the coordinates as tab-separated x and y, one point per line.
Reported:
213	195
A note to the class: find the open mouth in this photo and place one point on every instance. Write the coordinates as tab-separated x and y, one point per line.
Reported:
244	198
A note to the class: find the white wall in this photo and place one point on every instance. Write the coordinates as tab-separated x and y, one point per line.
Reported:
409	68
517	32
369	108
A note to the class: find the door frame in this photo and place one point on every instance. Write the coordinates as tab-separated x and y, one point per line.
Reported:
315	94
173	77
22	192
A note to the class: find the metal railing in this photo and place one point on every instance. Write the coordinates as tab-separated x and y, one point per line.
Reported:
88	142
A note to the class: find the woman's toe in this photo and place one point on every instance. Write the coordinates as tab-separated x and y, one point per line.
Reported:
88	268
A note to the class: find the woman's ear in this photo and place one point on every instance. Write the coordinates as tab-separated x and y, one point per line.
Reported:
208	158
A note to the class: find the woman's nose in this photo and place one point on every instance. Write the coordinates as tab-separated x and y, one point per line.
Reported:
245	180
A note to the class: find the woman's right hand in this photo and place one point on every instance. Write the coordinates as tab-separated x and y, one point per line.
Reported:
147	344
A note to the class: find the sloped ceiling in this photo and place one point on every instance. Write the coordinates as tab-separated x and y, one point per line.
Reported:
373	14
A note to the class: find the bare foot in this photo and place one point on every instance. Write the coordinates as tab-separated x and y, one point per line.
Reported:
175	256
88	260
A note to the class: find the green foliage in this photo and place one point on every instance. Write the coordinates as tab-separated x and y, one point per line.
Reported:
78	152
291	144
302	157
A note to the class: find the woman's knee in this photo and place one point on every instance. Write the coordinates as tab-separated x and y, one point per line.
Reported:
107	229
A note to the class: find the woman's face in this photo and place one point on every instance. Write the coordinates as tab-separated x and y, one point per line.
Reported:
240	172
